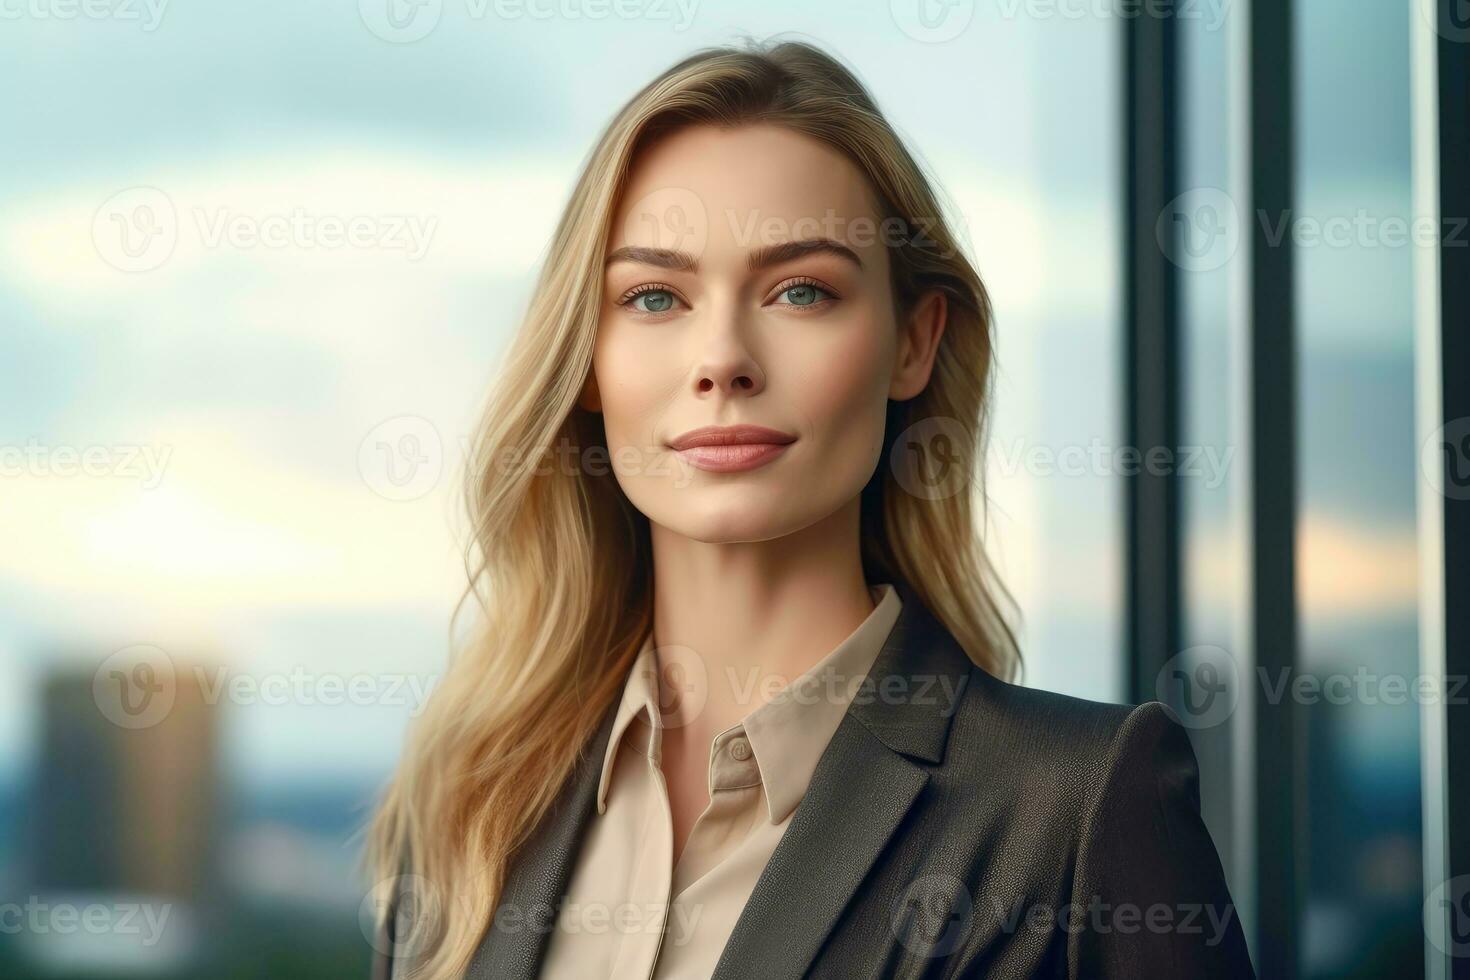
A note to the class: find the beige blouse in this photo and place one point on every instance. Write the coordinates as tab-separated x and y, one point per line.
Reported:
625	916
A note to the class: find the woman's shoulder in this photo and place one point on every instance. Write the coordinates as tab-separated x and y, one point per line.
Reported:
1060	724
1073	750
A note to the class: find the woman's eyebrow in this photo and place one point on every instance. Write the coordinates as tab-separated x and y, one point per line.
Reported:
786	251
665	258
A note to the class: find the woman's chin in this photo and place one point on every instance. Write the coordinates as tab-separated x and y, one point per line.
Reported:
738	522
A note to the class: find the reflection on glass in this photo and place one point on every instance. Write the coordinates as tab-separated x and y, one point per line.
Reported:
1357	577
1212	493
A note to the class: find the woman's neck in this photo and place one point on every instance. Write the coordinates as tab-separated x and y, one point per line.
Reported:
752	617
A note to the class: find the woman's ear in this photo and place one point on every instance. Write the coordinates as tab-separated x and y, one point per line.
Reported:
591	399
918	343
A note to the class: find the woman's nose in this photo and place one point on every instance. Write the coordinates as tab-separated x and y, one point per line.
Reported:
726	363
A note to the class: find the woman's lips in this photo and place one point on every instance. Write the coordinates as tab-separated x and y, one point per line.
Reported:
730	448
733	458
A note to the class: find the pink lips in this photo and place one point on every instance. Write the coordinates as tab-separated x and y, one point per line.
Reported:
731	448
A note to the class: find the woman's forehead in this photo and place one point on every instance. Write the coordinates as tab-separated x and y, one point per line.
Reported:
743	188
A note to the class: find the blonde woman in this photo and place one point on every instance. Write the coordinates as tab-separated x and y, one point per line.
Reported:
738	704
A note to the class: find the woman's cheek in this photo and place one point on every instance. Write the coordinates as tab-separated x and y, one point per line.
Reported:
844	394
847	376
634	380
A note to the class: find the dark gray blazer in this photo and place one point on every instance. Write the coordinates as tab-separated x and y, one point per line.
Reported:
957	826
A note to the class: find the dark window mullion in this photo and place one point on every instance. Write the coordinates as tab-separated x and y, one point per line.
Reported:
1453	117
1151	350
1273	452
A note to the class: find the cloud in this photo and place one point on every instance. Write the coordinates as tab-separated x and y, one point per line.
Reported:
190	235
226	528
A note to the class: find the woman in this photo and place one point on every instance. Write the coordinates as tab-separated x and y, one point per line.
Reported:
738	704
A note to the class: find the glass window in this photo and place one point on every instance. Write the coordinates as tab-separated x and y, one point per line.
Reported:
1357	455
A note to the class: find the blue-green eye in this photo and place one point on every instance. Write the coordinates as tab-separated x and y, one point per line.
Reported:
653	301
803	294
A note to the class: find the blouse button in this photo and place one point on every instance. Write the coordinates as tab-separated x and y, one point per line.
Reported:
740	749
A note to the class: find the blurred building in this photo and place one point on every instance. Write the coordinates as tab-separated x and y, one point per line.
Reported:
125	820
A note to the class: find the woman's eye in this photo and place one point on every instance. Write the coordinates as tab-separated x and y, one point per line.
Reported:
804	294
653	301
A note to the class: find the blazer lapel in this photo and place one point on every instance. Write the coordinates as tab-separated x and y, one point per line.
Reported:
539	875
862	789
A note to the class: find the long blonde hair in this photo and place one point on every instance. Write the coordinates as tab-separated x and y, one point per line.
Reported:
559	560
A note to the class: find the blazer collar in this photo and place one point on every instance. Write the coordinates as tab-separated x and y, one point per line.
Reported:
918	678
892	726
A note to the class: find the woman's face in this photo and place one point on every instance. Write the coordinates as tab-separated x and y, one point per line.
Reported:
747	284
